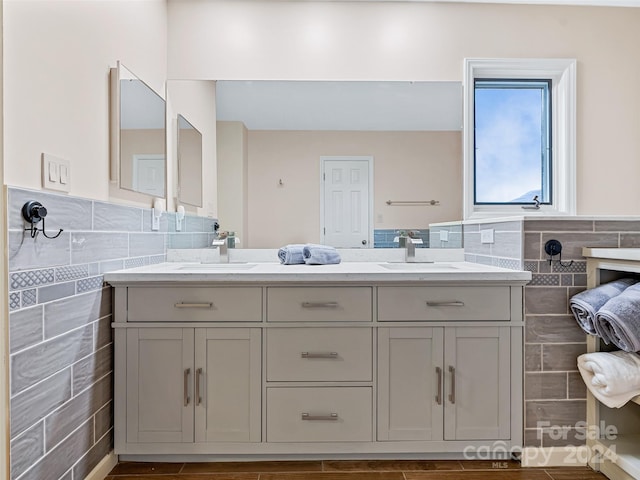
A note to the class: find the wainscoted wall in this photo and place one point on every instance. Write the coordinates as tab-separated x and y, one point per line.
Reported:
60	325
555	395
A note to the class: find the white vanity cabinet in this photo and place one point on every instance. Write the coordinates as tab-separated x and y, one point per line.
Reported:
185	385
271	369
444	383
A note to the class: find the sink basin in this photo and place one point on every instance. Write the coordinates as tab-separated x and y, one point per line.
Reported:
418	266
218	266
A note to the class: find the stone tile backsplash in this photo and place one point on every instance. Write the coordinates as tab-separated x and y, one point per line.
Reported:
60	338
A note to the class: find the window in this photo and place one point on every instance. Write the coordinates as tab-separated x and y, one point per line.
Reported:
519	137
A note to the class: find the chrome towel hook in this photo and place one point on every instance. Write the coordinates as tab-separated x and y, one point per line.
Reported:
34	212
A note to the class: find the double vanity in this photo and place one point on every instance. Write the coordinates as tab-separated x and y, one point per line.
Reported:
361	359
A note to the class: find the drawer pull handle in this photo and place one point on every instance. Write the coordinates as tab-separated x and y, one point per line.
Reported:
439	379
452	395
454	303
331	417
319	354
198	375
186	386
319	304
194	305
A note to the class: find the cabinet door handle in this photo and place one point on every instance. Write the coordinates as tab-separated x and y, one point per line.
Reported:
186	386
319	354
193	305
319	304
452	395
331	417
439	379
198	375
453	303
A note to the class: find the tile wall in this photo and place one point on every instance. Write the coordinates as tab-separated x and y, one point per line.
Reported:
383	237
445	236
555	395
60	338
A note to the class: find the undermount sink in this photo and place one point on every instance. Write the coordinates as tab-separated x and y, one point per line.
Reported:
218	266
418	266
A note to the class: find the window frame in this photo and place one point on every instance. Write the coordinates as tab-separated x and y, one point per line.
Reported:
562	73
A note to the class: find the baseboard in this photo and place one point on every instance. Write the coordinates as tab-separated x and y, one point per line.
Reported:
555	456
103	468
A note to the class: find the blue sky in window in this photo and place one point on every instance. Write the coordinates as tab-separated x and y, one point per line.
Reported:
508	144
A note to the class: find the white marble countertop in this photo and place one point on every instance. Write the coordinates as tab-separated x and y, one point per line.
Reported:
346	272
612	253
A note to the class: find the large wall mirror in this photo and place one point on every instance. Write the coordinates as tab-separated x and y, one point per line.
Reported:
189	163
272	136
138	130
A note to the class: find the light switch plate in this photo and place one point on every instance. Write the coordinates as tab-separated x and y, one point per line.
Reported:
56	173
444	235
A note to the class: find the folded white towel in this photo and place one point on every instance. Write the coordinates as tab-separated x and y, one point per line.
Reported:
585	305
612	377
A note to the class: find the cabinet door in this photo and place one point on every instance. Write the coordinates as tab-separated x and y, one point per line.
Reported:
228	384
159	381
410	383
477	383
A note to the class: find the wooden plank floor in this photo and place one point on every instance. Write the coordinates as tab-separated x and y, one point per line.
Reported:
347	470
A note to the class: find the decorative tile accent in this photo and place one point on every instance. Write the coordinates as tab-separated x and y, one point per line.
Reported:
510	263
72	272
31	278
157	259
546	280
14	301
87	284
566	280
29	297
135	262
575	267
531	266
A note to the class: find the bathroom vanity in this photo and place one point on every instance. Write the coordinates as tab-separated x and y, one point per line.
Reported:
359	360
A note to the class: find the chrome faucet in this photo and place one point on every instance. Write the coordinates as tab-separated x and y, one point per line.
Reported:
221	244
409	250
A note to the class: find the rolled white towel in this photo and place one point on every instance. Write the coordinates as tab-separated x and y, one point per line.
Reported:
585	305
612	377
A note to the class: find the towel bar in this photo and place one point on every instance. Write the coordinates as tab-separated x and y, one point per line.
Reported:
413	202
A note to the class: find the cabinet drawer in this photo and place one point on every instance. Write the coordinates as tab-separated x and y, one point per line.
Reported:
188	304
319	414
319	304
443	303
319	354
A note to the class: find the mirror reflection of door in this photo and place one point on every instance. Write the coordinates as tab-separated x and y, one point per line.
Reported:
346	195
148	174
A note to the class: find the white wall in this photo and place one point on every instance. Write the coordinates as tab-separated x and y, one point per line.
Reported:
428	41
407	166
57	55
196	101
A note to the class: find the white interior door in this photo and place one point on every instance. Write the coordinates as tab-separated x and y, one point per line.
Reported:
346	202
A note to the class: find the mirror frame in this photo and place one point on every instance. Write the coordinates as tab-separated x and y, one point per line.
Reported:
115	136
181	164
